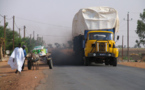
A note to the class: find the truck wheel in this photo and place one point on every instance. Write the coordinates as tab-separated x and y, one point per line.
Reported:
86	62
106	62
50	63
114	61
29	65
111	61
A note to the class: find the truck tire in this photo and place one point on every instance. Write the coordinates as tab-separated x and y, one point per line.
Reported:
114	61
106	62
29	65
86	62
111	61
50	63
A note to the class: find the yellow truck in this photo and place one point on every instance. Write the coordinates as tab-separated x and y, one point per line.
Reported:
94	31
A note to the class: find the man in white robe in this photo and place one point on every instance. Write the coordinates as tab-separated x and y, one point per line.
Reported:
16	59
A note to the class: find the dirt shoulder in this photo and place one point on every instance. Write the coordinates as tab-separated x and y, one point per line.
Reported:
27	80
133	64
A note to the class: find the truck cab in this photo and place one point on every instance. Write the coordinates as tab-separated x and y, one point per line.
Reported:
100	47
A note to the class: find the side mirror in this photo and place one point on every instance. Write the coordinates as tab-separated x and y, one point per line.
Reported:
85	40
117	37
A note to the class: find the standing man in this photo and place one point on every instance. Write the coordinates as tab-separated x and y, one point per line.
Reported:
24	55
16	59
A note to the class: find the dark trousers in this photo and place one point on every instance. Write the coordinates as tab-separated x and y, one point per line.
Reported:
23	65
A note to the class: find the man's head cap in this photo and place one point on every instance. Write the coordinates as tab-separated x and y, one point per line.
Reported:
24	46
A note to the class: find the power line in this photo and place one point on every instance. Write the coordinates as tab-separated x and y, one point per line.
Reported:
1	15
136	12
43	23
16	26
126	30
27	33
55	36
122	24
9	18
9	27
6	18
1	21
133	37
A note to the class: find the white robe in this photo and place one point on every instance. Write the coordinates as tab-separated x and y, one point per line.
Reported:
19	57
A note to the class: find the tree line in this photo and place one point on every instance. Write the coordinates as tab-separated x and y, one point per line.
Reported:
57	45
141	30
30	43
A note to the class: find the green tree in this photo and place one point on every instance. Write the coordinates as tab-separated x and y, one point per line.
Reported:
137	45
57	45
30	43
141	30
64	45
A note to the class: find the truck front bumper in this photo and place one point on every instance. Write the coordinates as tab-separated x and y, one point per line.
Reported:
98	54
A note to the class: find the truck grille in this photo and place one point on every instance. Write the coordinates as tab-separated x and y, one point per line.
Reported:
102	47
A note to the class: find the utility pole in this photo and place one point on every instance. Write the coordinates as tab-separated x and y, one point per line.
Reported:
30	42
24	31
37	39
122	47
128	35
30	39
4	35
13	30
19	33
33	35
37	36
42	40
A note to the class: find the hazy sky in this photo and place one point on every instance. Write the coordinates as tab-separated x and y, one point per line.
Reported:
52	19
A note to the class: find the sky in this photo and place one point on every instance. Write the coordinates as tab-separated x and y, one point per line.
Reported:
52	19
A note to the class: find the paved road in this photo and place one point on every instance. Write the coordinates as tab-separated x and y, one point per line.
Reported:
98	77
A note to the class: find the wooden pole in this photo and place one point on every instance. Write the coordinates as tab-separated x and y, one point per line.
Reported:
33	35
30	39
122	47
128	36
19	33
4	35
13	30
24	31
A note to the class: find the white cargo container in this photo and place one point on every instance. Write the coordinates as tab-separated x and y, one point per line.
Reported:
95	18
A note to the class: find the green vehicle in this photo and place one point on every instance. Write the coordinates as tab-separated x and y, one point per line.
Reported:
40	50
43	56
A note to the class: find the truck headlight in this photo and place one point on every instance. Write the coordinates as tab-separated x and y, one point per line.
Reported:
94	54
109	54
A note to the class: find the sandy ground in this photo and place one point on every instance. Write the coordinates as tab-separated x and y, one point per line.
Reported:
133	64
27	80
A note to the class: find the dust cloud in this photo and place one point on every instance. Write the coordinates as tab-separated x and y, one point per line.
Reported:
65	57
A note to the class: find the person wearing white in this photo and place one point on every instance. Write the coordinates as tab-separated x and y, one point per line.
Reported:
16	59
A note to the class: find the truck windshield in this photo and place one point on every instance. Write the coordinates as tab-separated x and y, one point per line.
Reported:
100	36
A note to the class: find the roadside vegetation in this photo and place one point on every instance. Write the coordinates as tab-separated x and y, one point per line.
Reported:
29	42
141	30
